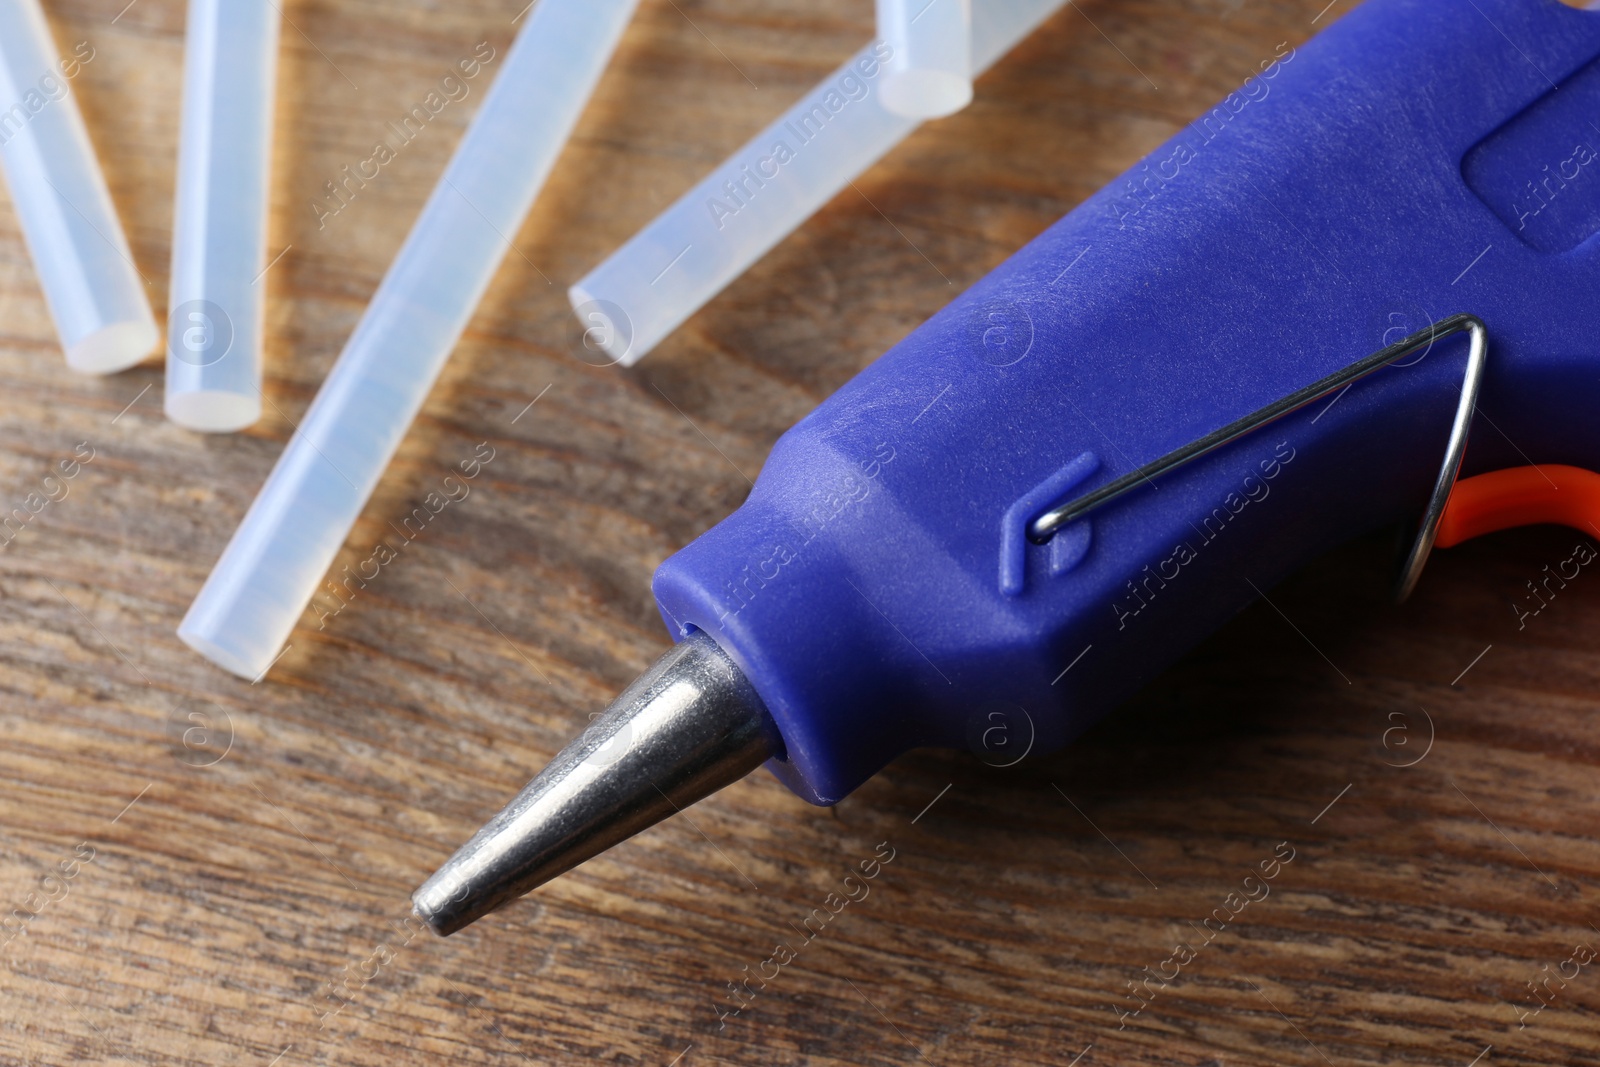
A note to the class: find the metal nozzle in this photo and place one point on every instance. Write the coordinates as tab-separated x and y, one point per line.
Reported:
690	725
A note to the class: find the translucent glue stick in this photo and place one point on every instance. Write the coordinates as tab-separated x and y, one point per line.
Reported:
219	239
94	291
282	550
671	268
930	73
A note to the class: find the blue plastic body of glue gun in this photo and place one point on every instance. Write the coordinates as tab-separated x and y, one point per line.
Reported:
1418	159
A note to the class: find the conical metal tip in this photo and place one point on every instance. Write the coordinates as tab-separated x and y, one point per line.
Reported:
689	726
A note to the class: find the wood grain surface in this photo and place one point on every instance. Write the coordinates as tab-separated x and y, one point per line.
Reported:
218	872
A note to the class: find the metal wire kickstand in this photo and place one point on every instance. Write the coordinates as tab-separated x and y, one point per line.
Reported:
1046	525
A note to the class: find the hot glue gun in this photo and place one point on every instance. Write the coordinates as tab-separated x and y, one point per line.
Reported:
1278	331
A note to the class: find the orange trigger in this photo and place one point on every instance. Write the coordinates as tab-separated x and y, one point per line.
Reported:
1521	496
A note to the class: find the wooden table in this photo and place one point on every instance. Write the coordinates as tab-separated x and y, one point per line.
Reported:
240	856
